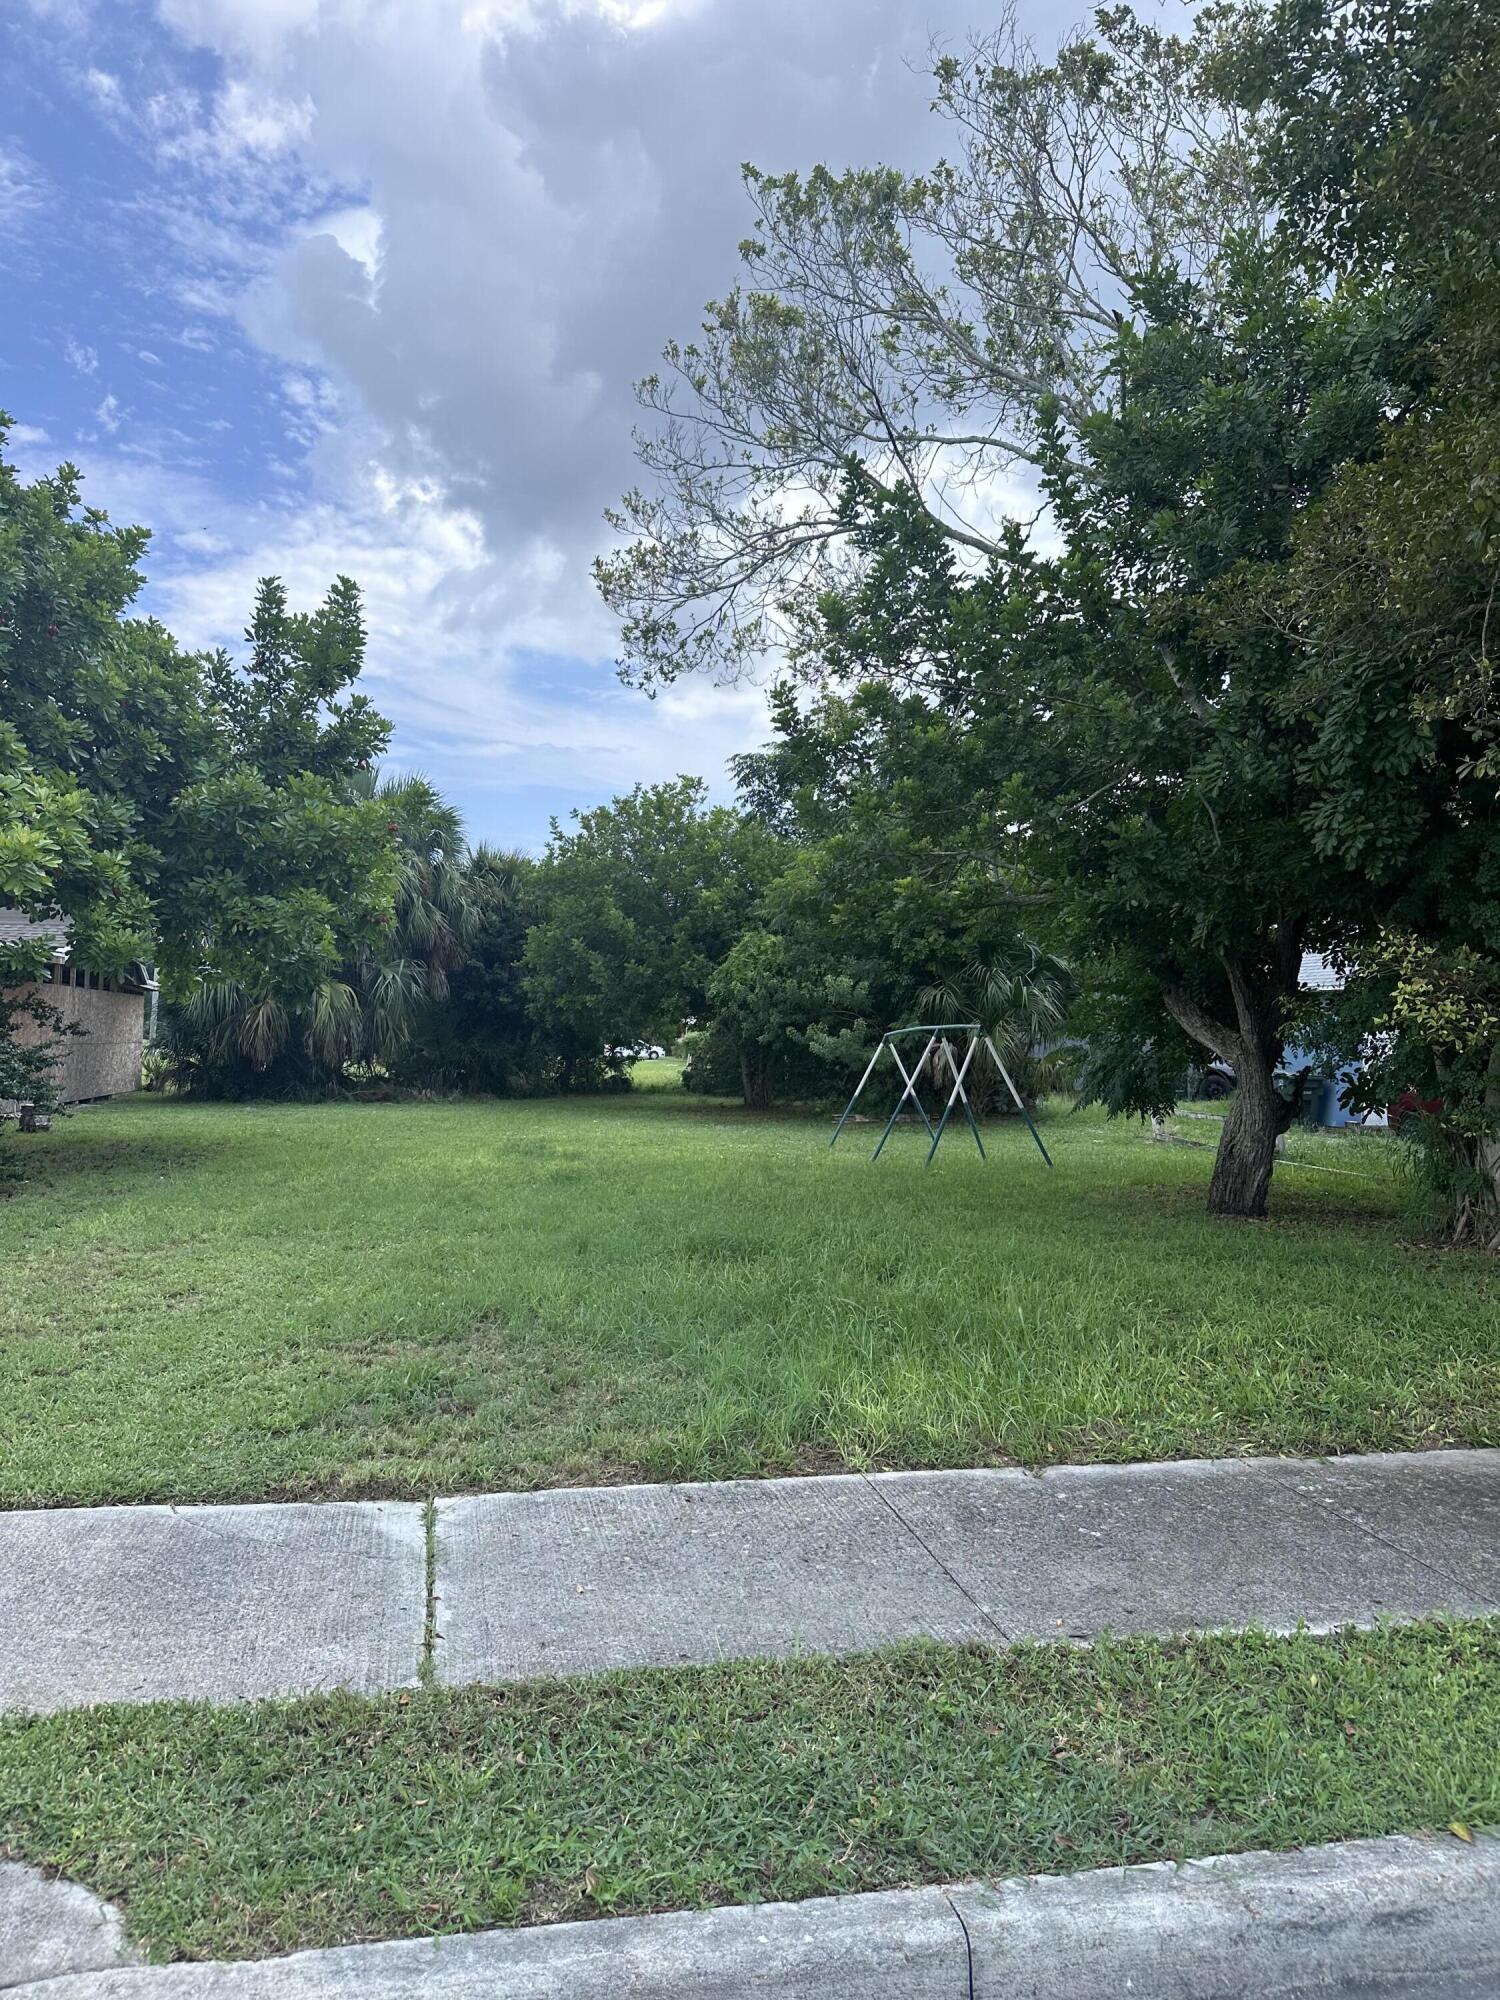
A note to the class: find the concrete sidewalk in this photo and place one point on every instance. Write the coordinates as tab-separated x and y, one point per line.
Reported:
1395	1919
572	1582
238	1603
209	1603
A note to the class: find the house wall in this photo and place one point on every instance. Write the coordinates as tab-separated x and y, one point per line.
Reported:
106	1058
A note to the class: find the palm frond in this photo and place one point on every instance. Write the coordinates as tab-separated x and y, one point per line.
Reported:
334	1022
262	1029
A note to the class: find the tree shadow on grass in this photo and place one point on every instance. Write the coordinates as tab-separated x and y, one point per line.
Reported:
62	1162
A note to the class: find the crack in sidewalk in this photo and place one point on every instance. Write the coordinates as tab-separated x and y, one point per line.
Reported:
968	1943
933	1557
1410	1555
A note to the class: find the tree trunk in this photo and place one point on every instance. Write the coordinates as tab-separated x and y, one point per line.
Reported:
1474	1217
1247	1149
1476	1210
755	1077
1258	1114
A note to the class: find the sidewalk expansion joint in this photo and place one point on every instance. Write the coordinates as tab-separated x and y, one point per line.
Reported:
427	1665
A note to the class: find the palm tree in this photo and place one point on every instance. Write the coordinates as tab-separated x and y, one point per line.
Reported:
1020	1000
367	1011
435	912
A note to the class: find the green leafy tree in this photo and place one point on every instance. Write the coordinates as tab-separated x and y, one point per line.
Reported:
786	1015
435	914
279	865
32	1039
640	903
482	1035
171	808
884	910
102	720
230	1035
1104	722
1416	1025
1094	288
1378	143
1083	291
288	708
935	329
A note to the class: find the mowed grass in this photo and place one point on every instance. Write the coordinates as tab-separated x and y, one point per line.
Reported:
240	1302
252	1831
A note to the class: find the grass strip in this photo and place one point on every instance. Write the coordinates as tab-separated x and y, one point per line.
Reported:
243	1832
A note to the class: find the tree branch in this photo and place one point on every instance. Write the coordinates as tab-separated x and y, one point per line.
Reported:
1197	1022
1184	687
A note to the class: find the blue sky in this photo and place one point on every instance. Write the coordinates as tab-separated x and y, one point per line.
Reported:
311	286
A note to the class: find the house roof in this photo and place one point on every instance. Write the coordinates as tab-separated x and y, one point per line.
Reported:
17	928
1317	975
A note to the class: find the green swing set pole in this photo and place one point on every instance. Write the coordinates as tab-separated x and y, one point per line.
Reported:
962	1095
911	1084
954	1097
958	1095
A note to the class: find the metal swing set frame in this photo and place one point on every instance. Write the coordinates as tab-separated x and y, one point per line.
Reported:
937	1039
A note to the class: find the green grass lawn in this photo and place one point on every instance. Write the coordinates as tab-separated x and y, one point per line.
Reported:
237	1302
250	1831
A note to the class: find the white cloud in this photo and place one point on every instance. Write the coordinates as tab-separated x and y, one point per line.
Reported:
548	192
105	90
239	120
250	121
358	232
459	230
200	542
80	357
107	415
23	187
462	707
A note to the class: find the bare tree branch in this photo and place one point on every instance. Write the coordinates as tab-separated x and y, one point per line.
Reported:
931	329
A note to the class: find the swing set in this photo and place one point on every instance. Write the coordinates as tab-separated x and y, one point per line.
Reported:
938	1051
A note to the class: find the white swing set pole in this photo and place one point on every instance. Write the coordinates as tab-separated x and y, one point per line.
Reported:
910	1091
1020	1105
869	1070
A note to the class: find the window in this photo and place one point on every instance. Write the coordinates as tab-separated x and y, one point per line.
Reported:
94	982
64	976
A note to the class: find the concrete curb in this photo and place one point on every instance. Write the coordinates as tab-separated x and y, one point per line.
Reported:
1367	1918
1393	1919
48	1928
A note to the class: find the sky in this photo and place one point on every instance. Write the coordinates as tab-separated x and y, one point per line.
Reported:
362	286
